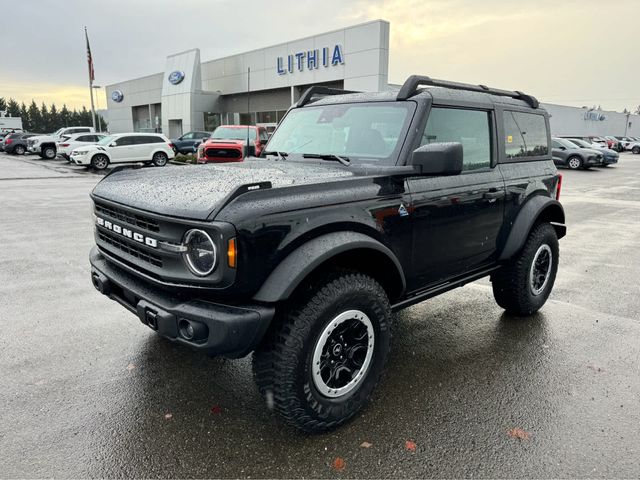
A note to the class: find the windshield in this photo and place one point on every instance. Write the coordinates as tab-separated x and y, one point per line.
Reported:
229	133
580	143
58	132
106	140
566	143
364	132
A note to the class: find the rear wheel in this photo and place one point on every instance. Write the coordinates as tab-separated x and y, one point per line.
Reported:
636	149
160	159
49	153
100	161
321	361
523	285
19	150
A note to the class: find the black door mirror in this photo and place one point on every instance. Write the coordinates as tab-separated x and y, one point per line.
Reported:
263	142
438	158
562	148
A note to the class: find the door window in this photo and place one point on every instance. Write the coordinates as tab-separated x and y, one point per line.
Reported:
125	141
187	136
471	128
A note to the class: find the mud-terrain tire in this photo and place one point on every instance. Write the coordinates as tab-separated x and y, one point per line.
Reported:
522	287
299	368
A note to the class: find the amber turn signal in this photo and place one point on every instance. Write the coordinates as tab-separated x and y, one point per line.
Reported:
231	253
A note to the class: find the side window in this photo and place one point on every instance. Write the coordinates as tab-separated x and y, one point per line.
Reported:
124	141
203	135
188	136
525	135
263	134
472	128
154	140
85	138
142	140
555	144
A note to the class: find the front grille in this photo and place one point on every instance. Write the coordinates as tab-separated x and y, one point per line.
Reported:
132	250
134	219
223	153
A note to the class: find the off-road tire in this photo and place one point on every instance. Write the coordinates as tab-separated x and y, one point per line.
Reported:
635	150
99	161
160	159
282	363
512	285
49	153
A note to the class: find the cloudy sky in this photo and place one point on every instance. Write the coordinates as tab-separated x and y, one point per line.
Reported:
575	52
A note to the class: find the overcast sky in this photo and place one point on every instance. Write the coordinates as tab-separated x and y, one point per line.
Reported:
575	52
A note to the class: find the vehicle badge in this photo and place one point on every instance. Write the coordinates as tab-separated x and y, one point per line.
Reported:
402	210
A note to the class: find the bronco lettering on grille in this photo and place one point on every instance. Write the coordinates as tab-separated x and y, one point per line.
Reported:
125	232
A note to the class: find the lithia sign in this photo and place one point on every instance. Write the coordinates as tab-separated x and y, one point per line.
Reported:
311	59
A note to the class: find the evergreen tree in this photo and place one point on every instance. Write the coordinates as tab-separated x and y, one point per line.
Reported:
13	109
65	116
3	104
44	112
35	119
26	124
54	118
85	117
75	118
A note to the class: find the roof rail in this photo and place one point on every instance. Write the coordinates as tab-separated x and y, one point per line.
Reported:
319	90
410	88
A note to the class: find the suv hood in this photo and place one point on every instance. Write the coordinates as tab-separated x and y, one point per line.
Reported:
195	192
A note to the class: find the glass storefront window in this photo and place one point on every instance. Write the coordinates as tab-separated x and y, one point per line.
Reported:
267	117
212	121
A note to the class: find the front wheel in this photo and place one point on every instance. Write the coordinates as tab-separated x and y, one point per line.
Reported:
523	285
19	150
574	163
99	161
160	159
635	149
320	363
49	153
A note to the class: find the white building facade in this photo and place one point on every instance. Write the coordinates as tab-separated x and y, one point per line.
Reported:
190	95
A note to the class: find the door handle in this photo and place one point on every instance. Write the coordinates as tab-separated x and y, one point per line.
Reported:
493	195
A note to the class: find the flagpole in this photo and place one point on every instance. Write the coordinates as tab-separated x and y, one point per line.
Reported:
93	108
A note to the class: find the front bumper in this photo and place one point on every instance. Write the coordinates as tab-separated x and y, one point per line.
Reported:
80	159
33	148
231	330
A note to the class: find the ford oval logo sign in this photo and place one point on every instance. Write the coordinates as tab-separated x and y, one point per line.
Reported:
176	77
117	96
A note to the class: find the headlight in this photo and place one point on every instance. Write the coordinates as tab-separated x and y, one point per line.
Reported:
201	252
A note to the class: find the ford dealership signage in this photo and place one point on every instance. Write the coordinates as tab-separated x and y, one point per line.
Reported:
117	96
311	60
176	77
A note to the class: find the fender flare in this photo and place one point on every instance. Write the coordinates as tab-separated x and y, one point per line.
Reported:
291	271
539	206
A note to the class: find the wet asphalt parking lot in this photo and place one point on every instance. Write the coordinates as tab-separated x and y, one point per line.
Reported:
87	391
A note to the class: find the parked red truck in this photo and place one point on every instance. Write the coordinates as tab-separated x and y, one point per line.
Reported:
228	143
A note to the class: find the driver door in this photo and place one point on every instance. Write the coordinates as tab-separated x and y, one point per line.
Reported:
456	219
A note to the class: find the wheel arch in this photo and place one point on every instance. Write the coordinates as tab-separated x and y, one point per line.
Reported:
539	209
345	249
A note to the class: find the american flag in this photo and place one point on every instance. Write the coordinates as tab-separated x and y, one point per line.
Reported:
92	76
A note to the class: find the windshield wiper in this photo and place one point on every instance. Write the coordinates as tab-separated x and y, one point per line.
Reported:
281	155
328	156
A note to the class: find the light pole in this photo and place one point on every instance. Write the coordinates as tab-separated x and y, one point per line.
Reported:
97	87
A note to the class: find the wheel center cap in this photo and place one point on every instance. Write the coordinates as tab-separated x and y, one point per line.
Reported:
337	349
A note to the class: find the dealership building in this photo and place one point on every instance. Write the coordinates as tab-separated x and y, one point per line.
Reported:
195	95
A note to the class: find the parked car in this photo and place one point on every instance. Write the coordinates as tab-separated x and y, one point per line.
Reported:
609	156
228	143
188	143
303	261
634	146
17	142
3	135
568	154
614	143
148	148
45	145
69	143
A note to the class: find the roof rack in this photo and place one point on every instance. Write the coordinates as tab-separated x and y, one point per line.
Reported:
317	90
410	88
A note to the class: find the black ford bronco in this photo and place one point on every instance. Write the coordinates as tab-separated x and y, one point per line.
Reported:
362	204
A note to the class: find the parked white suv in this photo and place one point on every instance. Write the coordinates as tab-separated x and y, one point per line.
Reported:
69	143
125	148
45	145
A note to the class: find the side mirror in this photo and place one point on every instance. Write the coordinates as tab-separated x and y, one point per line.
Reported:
438	158
263	142
562	148
113	144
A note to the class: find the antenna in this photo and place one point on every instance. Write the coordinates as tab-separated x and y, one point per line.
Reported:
248	107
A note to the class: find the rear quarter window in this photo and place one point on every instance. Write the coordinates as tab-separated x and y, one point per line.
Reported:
525	135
